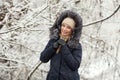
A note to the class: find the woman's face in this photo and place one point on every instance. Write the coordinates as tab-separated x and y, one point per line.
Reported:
67	26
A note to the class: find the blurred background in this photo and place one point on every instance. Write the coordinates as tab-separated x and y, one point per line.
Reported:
24	32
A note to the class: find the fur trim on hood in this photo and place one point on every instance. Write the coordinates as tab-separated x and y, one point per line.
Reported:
55	29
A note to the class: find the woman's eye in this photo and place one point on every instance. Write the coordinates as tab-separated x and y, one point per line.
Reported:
68	27
63	25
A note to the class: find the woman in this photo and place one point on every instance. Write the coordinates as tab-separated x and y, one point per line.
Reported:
63	49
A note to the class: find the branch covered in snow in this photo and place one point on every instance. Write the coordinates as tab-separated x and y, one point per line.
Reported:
104	18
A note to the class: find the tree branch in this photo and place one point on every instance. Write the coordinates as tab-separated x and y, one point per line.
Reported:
10	67
77	1
12	60
102	19
10	30
34	69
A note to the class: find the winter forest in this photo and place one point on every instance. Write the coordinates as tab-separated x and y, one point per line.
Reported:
24	32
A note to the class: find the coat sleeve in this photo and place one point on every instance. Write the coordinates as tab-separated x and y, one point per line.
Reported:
72	59
48	52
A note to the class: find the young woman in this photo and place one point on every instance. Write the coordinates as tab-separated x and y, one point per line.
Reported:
63	49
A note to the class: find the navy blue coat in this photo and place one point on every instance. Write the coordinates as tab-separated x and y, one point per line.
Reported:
63	65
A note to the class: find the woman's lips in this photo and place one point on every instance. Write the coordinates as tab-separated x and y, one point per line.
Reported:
64	32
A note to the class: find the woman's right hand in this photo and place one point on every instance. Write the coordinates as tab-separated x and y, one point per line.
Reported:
59	42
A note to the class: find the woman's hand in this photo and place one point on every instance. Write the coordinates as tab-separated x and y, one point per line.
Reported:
59	42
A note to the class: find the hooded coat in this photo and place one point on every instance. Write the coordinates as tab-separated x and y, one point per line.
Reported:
64	64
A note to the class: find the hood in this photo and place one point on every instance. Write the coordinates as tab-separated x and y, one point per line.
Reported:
75	37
